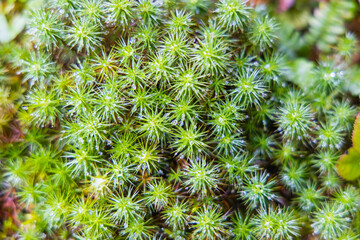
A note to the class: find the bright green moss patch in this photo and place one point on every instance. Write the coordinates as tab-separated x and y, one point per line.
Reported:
180	120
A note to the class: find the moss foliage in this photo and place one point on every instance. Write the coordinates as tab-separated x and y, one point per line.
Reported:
179	120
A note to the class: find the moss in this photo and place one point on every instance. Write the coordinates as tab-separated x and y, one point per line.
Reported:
179	120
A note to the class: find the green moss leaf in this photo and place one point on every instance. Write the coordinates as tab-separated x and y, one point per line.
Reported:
9	30
302	73
356	134
348	165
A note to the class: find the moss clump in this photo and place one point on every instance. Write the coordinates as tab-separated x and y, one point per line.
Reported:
178	120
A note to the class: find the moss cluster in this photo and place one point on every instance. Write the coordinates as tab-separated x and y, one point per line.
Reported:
181	120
